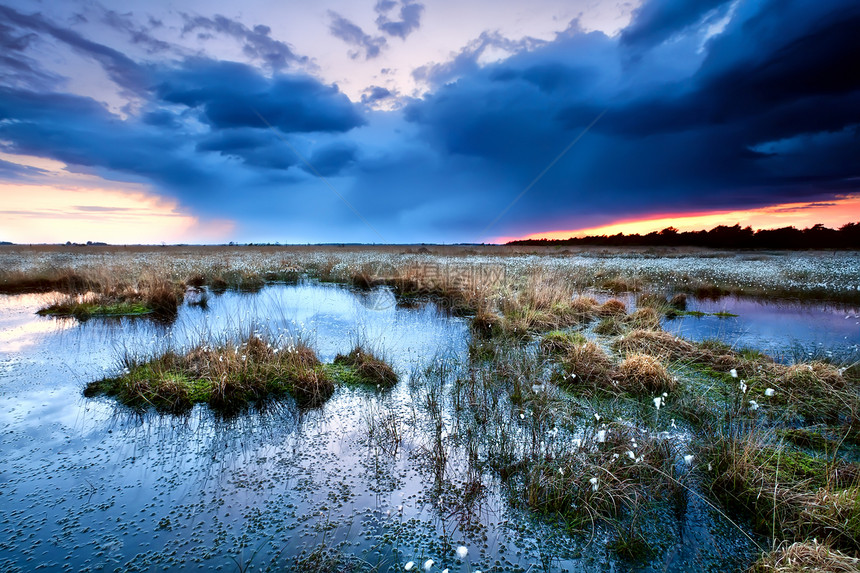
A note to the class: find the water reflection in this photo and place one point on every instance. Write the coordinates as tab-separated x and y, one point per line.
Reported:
783	329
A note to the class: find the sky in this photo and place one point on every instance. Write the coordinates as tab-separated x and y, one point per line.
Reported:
405	121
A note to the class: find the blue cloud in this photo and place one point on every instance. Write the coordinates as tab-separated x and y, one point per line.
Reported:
233	95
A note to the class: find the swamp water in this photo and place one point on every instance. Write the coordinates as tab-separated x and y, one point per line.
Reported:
788	331
86	484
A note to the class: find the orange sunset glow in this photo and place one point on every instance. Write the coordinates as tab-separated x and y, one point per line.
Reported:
64	206
833	214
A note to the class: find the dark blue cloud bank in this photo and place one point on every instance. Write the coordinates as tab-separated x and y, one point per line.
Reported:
705	105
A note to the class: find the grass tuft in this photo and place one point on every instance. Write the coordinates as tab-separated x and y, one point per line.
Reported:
641	374
806	557
228	377
368	368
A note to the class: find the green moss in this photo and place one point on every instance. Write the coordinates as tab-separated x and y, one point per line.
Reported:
85	310
610	326
806	437
725	314
345	374
366	368
558	341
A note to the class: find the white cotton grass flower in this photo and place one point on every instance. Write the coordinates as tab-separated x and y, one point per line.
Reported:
428	565
601	436
733	373
743	387
769	392
658	401
409	566
461	552
753	405
688	459
593	482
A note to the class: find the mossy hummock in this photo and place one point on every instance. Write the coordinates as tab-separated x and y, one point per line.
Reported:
227	377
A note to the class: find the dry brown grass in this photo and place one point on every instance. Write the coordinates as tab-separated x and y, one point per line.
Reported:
656	343
645	318
586	364
806	557
612	307
643	374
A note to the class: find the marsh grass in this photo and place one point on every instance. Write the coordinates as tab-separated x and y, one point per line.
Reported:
561	342
806	557
366	368
641	374
227	377
585	364
789	494
150	296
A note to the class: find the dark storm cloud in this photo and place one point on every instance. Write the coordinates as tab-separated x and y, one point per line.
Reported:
410	17
331	159
257	42
165	145
254	147
235	95
658	20
365	45
780	72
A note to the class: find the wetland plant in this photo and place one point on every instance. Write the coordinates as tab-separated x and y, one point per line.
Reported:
227	376
805	556
366	368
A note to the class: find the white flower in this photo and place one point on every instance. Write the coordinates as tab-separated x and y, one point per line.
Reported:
597	416
593	482
673	423
631	455
753	405
522	416
462	551
734	373
601	436
428	565
409	566
658	401
743	387
688	459
769	392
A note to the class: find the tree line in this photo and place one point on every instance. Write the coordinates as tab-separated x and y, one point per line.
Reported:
722	237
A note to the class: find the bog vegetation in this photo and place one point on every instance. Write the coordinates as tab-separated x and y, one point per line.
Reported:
586	411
